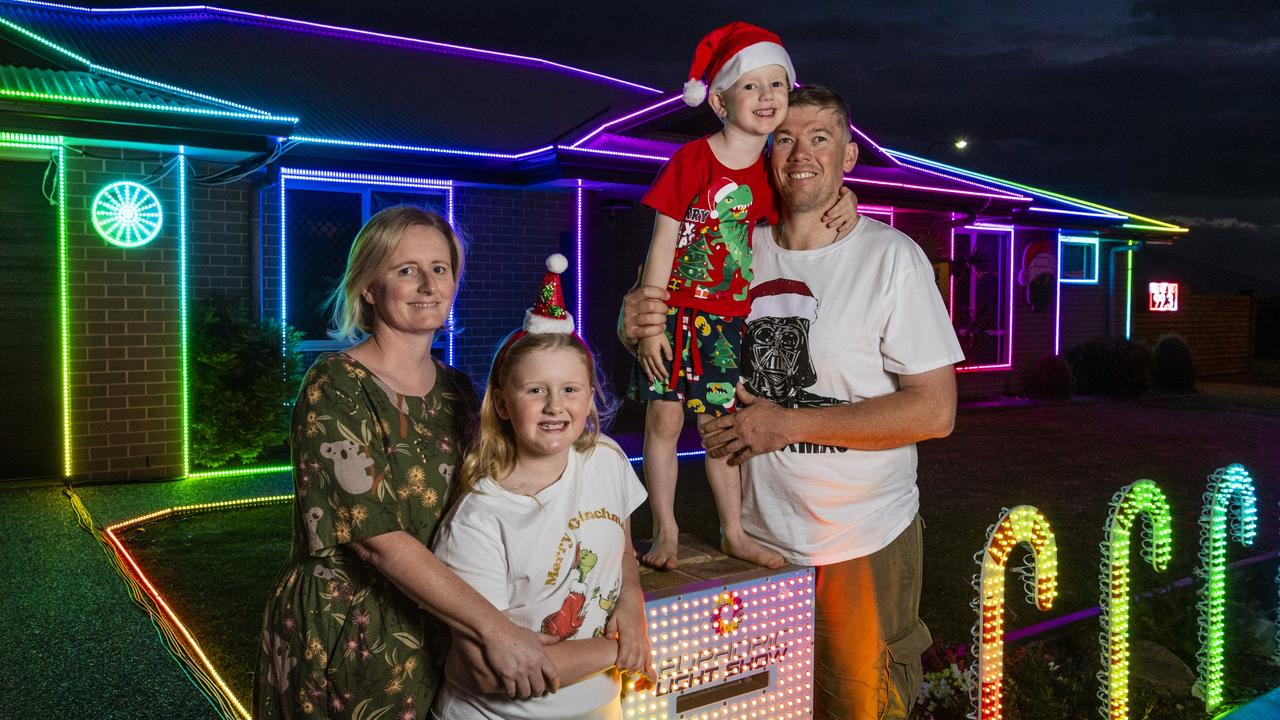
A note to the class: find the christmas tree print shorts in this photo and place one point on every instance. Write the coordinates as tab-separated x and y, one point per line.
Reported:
705	375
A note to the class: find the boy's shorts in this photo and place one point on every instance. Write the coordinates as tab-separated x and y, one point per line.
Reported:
706	349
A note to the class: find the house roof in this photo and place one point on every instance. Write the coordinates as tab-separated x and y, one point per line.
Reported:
344	84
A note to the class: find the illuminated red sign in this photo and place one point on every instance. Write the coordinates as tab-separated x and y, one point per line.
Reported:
1162	297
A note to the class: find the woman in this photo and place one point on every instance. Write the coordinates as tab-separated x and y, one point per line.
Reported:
376	436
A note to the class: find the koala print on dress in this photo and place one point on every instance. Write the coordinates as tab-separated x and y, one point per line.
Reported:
312	516
446	472
280	661
350	465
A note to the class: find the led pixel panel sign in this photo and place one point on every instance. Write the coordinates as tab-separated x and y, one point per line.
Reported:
736	649
127	214
1162	297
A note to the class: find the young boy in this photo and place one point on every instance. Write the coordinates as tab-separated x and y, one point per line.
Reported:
708	198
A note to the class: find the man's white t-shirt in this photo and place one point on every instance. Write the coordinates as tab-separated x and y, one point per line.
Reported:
552	562
828	326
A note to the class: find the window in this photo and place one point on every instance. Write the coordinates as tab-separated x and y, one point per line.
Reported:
322	217
1077	260
981	295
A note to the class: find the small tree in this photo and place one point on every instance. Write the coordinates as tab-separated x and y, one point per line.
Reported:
695	265
243	384
722	355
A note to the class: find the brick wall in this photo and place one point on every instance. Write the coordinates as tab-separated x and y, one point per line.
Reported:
124	327
221	260
1219	329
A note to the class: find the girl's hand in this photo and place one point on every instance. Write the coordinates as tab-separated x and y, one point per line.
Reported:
516	657
654	353
628	626
843	214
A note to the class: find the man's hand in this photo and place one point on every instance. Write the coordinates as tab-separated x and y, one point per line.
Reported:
654	352
843	214
644	314
757	427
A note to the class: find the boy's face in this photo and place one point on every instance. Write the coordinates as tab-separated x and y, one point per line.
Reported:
756	103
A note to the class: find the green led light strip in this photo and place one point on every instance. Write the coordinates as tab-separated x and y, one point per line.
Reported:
180	109
53	143
135	78
240	472
1128	293
182	310
1157	225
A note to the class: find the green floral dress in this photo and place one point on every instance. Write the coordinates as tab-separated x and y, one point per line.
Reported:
338	639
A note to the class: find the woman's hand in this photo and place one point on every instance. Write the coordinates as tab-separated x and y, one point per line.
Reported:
843	214
654	352
627	625
517	660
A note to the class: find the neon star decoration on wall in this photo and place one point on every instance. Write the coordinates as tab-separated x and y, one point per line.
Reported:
127	214
1129	504
1230	508
1022	524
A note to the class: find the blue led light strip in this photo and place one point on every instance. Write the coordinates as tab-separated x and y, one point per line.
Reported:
365	180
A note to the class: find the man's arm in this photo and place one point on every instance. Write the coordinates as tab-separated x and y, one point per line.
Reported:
923	407
643	314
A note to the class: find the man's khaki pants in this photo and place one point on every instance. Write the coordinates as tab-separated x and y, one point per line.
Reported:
868	637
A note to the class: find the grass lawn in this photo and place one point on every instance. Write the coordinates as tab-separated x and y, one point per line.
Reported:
1068	460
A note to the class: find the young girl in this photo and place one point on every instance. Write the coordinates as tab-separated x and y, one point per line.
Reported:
709	197
542	530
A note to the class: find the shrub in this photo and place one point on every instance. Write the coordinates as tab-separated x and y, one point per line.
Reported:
1093	365
1173	367
1051	378
243	384
1113	366
1133	365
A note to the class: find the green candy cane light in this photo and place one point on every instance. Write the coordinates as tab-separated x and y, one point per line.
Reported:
1230	512
1129	504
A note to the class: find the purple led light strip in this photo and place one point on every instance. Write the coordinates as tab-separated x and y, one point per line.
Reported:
578	263
928	188
964	181
419	148
507	57
1008	363
624	118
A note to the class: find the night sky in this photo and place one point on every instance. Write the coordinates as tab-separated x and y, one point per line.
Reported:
1167	108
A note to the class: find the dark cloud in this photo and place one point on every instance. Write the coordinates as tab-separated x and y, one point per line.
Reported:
1233	19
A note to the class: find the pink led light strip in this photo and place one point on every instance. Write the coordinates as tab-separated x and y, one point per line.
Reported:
507	57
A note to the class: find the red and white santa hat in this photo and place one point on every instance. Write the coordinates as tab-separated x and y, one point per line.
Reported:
548	313
727	53
782	298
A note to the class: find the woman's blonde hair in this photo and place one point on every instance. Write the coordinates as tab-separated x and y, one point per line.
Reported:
372	249
493	454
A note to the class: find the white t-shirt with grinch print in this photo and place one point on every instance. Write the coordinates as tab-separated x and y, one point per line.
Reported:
837	325
552	563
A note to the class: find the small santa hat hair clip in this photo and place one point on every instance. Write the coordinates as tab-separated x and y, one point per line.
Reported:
548	314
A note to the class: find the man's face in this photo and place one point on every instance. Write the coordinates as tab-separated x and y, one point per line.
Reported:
811	154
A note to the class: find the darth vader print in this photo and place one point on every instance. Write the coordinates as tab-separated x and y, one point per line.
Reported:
776	362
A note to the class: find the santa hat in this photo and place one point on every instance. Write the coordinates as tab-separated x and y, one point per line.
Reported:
729	52
548	314
782	298
729	186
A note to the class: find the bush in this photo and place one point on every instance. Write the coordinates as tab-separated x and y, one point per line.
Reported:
1051	378
1173	367
243	384
1103	366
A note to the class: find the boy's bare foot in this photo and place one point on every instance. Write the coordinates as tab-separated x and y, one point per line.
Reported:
744	548
662	553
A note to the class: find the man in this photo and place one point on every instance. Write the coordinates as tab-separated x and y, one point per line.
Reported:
847	362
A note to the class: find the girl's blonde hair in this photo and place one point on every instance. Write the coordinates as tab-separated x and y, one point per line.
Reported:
493	454
352	317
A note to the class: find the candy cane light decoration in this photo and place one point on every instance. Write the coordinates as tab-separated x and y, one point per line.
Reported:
1022	524
1230	508
1127	507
